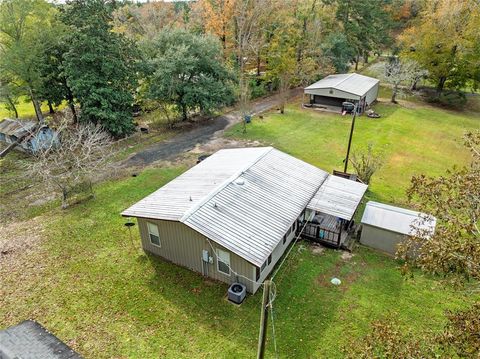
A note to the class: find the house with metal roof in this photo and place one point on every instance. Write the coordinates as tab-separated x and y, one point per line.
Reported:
332	91
232	216
385	226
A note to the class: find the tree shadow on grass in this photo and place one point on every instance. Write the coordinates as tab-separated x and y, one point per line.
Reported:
231	329
303	309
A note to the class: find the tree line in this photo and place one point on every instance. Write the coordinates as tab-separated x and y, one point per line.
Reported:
105	58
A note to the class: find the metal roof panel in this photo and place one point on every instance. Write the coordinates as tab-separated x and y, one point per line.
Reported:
396	219
338	197
352	83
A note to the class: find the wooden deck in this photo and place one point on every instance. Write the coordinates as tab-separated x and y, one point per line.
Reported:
325	229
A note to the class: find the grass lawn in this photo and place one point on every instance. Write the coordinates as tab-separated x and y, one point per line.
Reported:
91	288
415	140
25	109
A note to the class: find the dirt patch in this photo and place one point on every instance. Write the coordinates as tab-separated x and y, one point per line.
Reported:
317	249
346	256
202	133
18	240
220	143
323	280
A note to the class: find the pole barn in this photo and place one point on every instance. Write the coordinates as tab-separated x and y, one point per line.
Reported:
330	92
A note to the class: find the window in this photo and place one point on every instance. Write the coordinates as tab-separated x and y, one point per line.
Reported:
153	234
223	262
284	238
263	266
269	259
257	273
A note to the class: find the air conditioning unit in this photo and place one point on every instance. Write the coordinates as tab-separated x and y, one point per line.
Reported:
237	293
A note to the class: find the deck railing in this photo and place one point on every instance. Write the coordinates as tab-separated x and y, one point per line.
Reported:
317	233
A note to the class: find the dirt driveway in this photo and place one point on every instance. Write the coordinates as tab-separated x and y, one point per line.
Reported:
199	135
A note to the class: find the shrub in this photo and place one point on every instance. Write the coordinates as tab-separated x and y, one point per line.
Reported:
257	88
450	99
366	164
387	339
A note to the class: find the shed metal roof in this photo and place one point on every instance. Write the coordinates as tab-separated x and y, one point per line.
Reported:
396	219
338	197
352	83
29	340
16	127
244	199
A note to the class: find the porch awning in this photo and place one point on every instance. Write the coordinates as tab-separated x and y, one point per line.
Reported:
338	197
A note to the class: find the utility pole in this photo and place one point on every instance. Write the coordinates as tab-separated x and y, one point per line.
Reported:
262	337
350	138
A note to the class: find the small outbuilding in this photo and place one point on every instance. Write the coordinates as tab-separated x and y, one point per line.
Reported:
30	340
385	226
332	91
29	135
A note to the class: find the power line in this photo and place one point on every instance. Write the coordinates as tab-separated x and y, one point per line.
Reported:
293	245
272	299
228	265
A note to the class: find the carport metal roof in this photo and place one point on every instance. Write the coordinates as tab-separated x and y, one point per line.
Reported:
352	83
338	197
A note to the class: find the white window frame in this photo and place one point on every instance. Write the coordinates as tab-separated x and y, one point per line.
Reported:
152	227
221	254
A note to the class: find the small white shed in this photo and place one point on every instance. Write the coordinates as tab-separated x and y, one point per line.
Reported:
385	226
331	91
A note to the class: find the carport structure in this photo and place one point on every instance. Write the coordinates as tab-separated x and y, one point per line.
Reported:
330	92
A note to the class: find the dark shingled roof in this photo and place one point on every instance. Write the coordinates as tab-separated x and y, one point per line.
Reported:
29	340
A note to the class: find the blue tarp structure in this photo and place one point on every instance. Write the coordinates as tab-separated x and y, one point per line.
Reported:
32	136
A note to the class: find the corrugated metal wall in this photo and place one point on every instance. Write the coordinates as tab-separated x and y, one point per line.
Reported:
380	239
184	246
372	94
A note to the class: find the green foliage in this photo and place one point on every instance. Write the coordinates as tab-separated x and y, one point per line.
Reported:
54	84
338	50
459	339
462	332
454	249
100	66
366	24
366	163
452	99
186	70
27	27
445	41
257	88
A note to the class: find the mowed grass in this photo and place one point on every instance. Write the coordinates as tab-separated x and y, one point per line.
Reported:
413	141
101	294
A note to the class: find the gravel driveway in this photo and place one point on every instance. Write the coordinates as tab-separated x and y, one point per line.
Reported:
208	131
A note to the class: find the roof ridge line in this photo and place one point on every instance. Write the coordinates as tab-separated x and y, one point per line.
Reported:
221	186
346	78
397	209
